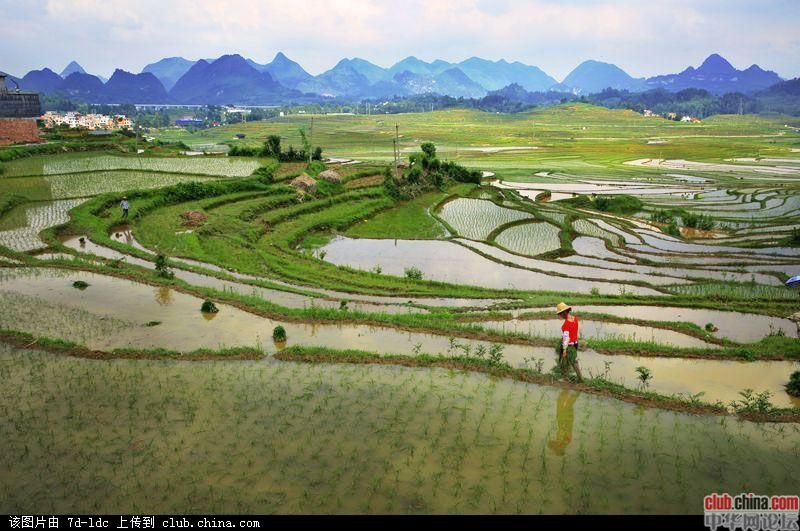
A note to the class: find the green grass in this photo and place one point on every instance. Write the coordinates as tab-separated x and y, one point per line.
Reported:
412	220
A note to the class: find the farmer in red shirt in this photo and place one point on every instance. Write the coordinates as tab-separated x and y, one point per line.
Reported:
568	353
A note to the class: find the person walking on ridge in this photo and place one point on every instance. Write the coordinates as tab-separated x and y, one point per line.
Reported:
124	206
568	353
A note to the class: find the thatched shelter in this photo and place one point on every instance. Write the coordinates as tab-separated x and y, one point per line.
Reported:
305	183
330	176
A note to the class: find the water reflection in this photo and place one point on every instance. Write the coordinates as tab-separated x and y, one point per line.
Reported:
565	420
164	296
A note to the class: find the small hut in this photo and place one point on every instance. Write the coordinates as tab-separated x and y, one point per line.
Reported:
330	176
305	183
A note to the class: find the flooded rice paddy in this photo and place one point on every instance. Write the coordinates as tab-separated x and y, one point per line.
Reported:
129	307
449	262
136	436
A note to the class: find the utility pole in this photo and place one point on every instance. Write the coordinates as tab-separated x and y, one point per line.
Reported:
311	140
397	150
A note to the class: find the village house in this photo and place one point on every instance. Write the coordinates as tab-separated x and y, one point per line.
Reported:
92	122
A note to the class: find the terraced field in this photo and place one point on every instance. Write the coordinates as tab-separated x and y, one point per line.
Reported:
674	257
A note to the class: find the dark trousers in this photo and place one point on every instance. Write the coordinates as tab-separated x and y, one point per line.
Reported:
124	213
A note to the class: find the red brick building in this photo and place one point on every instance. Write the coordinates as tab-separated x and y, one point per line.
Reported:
18	113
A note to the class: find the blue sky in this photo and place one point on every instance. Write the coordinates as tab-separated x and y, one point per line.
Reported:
642	37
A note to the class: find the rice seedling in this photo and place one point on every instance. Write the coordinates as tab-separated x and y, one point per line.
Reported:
644	375
586	227
476	218
530	238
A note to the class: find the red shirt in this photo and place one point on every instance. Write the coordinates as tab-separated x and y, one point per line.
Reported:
572	328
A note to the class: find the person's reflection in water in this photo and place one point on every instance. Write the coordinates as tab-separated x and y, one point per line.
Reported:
565	418
128	236
164	296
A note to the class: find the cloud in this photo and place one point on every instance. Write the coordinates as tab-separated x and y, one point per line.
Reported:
644	38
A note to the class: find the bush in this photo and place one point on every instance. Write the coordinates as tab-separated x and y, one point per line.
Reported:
315	168
413	273
162	267
661	216
690	220
618	204
753	402
793	387
80	284
243	151
209	307
706	223
264	174
672	229
459	173
279	334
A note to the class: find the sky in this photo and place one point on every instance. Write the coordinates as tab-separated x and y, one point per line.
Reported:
644	38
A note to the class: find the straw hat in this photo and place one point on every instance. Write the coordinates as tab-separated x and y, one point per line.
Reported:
562	307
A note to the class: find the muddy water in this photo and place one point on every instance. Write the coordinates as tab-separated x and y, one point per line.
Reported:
728	274
741	327
184	328
599	330
449	262
576	272
282	298
124	234
595	247
354	439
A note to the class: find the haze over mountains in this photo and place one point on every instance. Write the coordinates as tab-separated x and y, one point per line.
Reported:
233	79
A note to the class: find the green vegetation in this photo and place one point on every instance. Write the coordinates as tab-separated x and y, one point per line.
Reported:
793	387
209	307
279	334
270	258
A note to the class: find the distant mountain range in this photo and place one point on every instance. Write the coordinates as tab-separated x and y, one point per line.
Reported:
232	79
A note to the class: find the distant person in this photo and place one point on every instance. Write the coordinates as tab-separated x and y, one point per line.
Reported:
568	353
124	206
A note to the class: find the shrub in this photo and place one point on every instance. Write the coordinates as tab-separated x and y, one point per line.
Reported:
162	267
264	174
690	220
661	216
706	223
413	273
80	284
618	204
672	229
711	328
752	402
209	307
315	168
279	334
793	387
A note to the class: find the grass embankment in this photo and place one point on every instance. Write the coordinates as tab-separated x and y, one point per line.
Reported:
67	348
411	220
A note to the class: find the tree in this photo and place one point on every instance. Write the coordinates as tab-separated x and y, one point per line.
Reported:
429	149
272	147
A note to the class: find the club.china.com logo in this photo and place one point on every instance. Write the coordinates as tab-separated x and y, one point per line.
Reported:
751	512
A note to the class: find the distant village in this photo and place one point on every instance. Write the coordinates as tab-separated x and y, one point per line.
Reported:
93	122
672	116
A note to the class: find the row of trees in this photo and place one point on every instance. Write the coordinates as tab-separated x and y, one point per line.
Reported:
272	148
426	172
